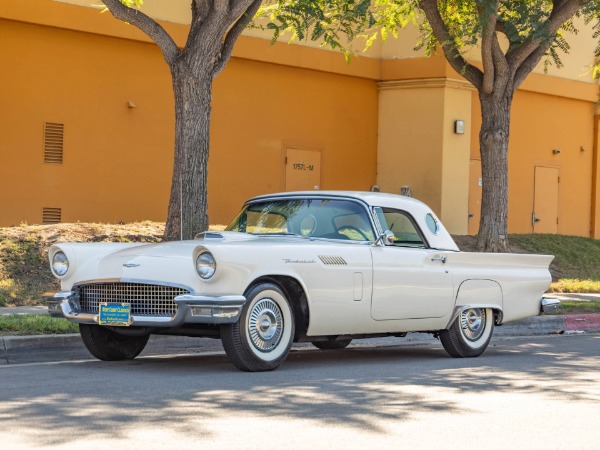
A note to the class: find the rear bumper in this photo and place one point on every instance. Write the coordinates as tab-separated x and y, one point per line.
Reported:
190	309
549	304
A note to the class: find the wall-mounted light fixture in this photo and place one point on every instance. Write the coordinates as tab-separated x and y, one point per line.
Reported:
556	152
131	104
459	127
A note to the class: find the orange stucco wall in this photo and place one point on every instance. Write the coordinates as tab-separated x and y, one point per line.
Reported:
378	119
116	165
117	162
542	123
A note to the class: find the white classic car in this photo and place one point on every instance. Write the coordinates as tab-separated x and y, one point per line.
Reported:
322	267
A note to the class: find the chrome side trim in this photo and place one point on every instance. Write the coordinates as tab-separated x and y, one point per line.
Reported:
548	305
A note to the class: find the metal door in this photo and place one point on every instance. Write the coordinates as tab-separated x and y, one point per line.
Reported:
544	217
302	169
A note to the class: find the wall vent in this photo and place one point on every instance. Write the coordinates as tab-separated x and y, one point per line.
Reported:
51	215
53	142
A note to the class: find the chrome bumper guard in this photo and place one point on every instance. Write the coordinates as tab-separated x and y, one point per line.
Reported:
190	309
549	304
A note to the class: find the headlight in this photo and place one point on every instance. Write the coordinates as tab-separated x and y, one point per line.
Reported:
206	265
60	264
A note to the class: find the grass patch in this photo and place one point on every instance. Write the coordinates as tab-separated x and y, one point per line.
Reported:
576	308
574	257
32	324
570	285
24	271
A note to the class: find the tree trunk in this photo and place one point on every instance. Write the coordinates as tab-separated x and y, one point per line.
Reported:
187	214
493	140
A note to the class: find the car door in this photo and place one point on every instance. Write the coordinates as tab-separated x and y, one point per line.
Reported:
410	281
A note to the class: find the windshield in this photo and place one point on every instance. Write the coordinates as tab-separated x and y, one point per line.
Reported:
320	218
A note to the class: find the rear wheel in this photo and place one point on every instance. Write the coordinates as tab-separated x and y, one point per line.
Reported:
332	345
107	345
261	339
470	333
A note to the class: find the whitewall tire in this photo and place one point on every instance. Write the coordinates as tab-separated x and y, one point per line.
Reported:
470	334
261	339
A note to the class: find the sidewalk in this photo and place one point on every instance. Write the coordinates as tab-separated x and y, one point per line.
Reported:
30	349
574	297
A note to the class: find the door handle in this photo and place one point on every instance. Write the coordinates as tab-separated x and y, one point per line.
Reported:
439	258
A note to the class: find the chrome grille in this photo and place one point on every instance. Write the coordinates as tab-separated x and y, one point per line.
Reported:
146	299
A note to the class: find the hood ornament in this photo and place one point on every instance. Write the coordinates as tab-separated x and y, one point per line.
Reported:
131	265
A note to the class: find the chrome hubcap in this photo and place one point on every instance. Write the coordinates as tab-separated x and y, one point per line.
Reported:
265	325
472	322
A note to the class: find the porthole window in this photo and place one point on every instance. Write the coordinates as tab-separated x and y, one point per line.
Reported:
432	224
308	225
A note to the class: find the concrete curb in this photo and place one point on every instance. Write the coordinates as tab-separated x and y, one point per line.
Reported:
69	347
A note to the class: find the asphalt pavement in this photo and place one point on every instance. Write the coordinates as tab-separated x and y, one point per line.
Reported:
69	347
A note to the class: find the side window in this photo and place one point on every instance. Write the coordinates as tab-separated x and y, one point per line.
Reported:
400	223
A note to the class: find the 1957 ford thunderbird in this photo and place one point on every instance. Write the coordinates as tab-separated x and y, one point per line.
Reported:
322	267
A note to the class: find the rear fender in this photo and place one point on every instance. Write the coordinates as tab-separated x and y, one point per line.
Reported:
478	294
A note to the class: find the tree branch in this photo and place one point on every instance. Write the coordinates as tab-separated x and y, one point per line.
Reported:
501	67
148	25
456	60
232	35
562	11
489	19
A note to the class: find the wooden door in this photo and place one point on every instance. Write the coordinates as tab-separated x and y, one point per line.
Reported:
302	169
545	203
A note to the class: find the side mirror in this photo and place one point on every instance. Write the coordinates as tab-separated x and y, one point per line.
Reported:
386	238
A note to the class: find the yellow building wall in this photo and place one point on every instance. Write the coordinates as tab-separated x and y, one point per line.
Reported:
410	147
259	109
118	160
455	163
419	148
541	123
72	65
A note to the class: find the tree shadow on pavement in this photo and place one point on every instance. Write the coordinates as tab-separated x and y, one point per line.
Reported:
355	387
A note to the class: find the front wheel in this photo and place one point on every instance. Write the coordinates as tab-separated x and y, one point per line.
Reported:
261	339
470	333
107	345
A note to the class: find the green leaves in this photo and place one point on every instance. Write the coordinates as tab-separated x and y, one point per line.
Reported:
337	22
334	22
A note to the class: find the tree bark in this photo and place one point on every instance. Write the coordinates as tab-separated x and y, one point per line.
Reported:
493	140
188	206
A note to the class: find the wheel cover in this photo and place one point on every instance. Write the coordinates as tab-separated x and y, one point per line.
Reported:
472	323
265	325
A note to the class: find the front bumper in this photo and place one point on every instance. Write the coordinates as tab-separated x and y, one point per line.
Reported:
190	309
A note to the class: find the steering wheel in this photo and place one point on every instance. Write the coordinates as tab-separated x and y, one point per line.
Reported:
352	228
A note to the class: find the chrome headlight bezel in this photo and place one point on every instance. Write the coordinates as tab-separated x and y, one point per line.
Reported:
206	265
60	264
